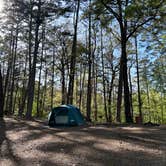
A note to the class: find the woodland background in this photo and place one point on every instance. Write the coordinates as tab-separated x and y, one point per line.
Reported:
106	57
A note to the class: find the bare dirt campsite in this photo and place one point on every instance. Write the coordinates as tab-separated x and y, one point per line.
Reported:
31	143
98	66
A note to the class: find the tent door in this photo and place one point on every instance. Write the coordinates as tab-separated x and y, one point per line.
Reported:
62	116
61	119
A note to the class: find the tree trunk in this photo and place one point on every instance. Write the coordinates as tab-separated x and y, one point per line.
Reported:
110	97
40	71
103	78
29	59
89	88
13	70
123	30
1	95
73	58
127	103
8	75
15	98
63	85
138	81
23	92
38	90
45	88
131	92
162	109
148	99
63	75
77	89
123	67
30	37
120	87
94	71
31	84
82	83
52	81
95	92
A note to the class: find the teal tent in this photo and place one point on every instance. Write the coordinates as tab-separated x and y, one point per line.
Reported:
68	115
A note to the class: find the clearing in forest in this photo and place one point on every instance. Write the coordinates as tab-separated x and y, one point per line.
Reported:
32	143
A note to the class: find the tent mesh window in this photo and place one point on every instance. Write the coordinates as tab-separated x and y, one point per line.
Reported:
62	116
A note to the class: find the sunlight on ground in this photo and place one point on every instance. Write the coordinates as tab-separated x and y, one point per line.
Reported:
1	4
30	143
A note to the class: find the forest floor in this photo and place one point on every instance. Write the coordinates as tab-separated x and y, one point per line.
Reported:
33	143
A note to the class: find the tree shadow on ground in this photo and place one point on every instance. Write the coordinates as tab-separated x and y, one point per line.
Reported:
2	131
88	154
153	134
72	144
147	137
6	151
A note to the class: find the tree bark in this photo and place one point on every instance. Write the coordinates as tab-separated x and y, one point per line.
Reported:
95	91
89	88
131	93
148	98
62	70
103	78
138	83
52	81
30	37
123	64
45	89
162	109
127	103
40	71
82	84
13	71
110	97
73	58
120	87
1	94
23	91
8	75
29	60
15	98
31	84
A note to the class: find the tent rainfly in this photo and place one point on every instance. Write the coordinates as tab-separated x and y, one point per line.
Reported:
68	115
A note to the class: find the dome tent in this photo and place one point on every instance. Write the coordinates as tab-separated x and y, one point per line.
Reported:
68	115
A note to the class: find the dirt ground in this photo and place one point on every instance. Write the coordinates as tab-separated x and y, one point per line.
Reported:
33	143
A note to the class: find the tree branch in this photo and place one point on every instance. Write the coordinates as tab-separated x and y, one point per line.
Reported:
111	10
145	21
139	25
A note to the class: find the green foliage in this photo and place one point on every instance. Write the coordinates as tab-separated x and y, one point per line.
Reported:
58	40
152	112
34	109
133	10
